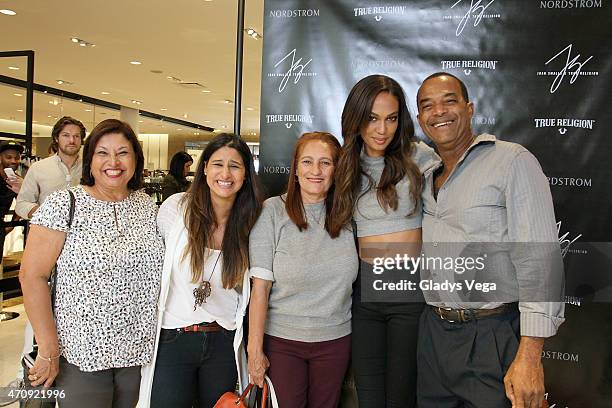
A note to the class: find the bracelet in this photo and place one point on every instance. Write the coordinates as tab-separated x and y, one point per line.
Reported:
49	359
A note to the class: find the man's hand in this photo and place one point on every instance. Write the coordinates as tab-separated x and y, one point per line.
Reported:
524	381
14	183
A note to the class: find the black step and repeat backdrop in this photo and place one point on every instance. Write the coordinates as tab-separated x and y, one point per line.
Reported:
538	72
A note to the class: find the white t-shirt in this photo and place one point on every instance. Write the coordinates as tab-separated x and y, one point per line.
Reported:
221	306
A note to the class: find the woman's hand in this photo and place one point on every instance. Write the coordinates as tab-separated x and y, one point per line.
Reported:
44	370
258	365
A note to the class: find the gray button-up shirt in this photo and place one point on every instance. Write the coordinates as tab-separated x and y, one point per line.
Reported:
43	178
497	193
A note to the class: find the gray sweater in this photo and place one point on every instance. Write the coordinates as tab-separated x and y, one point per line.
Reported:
312	273
369	215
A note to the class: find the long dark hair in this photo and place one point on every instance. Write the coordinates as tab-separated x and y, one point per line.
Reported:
294	204
107	127
201	222
177	166
398	161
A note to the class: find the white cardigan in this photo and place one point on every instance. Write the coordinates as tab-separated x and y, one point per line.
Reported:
172	251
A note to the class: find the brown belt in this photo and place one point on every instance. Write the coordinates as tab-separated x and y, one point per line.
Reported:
466	315
202	327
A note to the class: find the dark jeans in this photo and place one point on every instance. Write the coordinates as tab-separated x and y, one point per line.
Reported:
462	365
384	353
193	369
307	374
115	387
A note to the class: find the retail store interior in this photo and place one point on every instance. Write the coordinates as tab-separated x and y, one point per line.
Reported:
167	68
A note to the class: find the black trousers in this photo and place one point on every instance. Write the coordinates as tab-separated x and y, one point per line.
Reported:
193	369
462	365
384	351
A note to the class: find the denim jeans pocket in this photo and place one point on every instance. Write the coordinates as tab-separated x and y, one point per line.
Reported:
168	336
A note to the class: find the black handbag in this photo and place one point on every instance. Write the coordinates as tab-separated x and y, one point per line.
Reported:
27	361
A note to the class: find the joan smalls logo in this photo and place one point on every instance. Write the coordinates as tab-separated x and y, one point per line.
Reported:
289	119
566	241
477	11
296	69
468	65
562	124
379	12
572	68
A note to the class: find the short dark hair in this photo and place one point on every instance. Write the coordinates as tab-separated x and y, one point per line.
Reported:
177	164
104	128
464	91
60	125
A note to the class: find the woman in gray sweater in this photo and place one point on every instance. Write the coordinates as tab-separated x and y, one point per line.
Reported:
300	310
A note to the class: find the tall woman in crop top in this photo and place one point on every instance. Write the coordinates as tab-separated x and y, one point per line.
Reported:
378	184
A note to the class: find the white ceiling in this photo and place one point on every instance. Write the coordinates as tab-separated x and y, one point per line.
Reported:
193	40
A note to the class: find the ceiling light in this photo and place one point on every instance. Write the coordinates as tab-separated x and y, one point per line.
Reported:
19	110
185	116
48	116
17	94
105	93
81	42
8	12
59	82
224	127
252	33
134	101
207	121
196	133
163	109
227	101
14	68
54	102
87	110
206	91
135	62
178	130
250	109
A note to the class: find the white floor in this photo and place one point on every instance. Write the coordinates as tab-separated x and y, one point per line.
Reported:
11	344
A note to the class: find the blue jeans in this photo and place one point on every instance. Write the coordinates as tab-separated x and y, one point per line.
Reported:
193	369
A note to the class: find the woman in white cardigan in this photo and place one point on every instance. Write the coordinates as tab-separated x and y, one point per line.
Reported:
205	290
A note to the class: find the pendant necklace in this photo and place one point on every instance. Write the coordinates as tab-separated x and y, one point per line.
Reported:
202	292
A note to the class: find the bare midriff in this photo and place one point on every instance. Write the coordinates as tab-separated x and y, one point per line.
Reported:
412	238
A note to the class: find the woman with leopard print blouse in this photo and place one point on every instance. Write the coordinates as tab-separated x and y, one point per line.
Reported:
108	259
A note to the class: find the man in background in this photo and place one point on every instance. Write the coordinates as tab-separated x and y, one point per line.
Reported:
10	157
56	172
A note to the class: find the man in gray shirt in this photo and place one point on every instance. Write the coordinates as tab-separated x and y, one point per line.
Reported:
485	191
